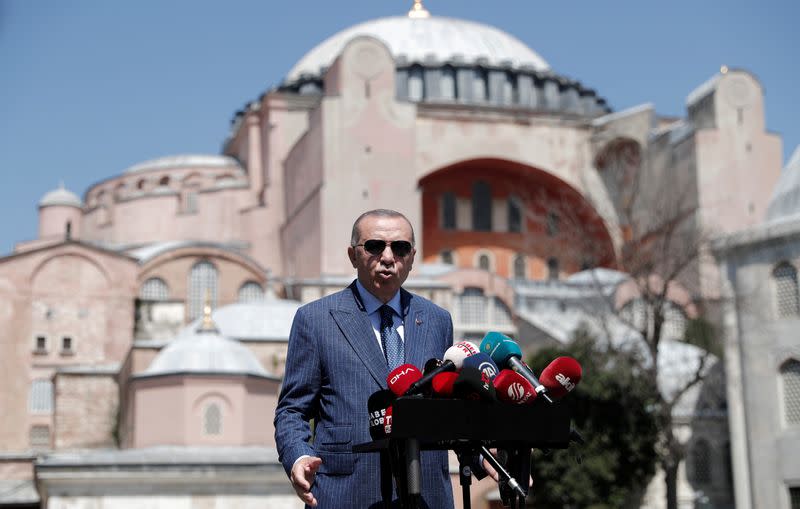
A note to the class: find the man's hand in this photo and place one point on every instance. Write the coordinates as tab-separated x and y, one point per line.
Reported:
490	471
303	473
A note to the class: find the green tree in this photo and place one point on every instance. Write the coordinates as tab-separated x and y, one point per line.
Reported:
613	411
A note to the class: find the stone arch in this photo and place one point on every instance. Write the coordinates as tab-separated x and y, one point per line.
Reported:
70	273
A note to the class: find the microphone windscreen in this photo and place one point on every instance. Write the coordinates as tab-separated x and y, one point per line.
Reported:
472	384
379	406
431	365
561	376
442	384
483	363
401	378
460	351
513	388
500	348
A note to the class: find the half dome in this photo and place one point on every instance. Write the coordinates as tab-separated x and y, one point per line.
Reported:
436	39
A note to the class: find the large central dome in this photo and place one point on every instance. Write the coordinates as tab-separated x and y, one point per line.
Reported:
423	39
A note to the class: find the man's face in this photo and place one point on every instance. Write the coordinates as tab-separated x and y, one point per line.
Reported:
382	274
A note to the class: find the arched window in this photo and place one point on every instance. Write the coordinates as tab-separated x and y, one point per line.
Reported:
519	267
163	181
701	461
552	268
514	215
481	206
448	211
447	83
787	299
40	398
674	322
483	262
202	279
472	306
251	292
790	378
416	83
154	289
212	420
447	257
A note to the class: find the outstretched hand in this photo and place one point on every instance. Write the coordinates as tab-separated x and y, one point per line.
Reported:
303	473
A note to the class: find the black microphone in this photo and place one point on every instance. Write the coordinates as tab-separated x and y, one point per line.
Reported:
473	384
504	351
379	406
453	359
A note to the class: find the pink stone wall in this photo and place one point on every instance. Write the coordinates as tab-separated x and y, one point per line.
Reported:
86	410
68	290
54	218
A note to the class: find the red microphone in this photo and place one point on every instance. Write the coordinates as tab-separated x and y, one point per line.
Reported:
561	376
442	384
401	378
514	388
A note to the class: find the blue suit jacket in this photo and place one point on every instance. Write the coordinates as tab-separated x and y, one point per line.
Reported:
333	365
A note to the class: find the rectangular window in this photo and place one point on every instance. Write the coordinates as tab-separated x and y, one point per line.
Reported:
552	224
448	211
39	437
514	215
40	346
66	345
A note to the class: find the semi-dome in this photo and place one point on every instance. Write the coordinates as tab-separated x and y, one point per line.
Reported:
62	197
205	351
185	161
785	202
436	39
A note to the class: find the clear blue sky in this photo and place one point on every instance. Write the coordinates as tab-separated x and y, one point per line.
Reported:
88	88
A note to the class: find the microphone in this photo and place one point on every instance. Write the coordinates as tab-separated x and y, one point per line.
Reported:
442	384
513	388
401	378
561	376
379	405
506	352
474	385
431	365
453	360
482	362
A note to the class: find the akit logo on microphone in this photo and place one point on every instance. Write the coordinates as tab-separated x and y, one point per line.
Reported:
565	382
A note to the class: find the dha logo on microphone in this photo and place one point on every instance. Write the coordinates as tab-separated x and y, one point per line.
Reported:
565	382
396	377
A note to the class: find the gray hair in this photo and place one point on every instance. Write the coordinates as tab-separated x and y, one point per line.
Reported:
354	236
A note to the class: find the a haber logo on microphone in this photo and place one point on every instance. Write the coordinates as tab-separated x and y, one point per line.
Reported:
404	372
565	382
516	391
487	368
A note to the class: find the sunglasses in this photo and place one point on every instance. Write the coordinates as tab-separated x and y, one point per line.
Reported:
375	247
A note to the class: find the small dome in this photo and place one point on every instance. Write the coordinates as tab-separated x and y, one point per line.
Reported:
420	39
785	202
61	197
205	352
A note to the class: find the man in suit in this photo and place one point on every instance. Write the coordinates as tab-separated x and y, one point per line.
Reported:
341	350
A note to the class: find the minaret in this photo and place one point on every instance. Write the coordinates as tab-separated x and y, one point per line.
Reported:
60	214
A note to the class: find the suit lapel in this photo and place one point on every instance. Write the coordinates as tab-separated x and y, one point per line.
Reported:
352	319
415	327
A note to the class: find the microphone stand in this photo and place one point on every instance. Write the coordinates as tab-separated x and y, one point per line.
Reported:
465	475
505	477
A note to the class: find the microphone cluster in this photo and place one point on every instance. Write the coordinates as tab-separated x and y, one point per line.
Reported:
493	371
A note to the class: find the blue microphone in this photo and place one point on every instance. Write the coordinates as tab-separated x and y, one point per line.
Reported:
504	351
483	363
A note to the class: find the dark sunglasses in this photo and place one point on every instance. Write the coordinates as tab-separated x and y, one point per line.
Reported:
375	247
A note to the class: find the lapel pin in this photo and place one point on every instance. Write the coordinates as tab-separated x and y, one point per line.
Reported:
418	321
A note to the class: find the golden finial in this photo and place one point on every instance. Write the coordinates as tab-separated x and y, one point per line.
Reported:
724	69
418	10
207	324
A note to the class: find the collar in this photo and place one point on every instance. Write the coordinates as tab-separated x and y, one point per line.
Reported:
372	303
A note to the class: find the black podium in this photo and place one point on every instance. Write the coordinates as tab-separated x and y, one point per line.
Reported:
462	426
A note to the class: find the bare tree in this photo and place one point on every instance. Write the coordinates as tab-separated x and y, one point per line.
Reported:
656	239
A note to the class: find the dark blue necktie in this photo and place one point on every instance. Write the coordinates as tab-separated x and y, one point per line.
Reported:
390	338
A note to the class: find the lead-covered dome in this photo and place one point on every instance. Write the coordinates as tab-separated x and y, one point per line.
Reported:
62	197
433	39
205	351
